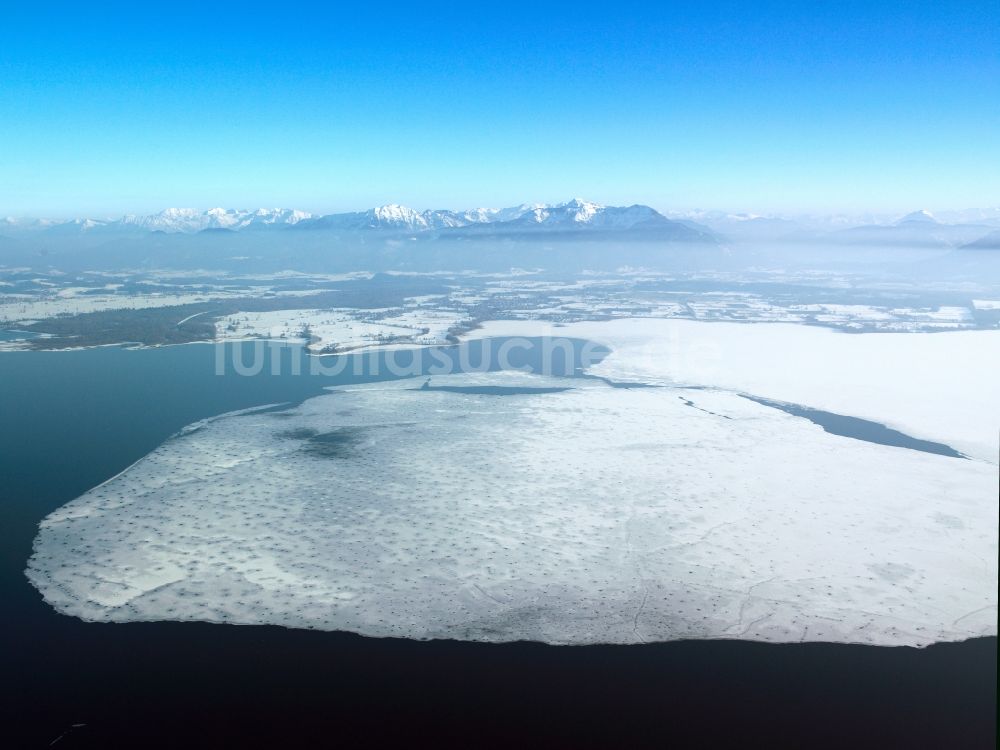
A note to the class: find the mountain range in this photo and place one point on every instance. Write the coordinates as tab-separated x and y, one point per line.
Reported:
915	229
574	219
571	217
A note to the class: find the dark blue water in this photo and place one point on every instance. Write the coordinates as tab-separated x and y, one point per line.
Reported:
70	420
859	429
15	335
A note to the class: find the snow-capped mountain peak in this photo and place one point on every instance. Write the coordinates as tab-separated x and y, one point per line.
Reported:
582	211
395	215
277	216
178	213
188	220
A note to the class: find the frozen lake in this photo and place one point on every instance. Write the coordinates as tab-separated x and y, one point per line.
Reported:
104	409
566	511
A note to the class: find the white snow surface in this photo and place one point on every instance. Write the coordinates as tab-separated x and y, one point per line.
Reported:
940	387
344	329
592	515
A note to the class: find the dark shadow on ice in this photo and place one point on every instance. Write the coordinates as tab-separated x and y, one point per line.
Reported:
336	443
693	405
488	390
620	383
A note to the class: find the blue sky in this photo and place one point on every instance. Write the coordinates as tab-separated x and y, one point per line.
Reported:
783	107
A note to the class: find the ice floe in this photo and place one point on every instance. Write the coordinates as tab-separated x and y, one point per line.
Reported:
591	514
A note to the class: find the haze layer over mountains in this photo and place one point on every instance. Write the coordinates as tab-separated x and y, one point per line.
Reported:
976	227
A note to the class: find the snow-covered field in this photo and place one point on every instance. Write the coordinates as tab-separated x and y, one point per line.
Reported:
343	329
22	309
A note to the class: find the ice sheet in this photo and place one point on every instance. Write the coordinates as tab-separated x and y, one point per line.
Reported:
596	514
940	387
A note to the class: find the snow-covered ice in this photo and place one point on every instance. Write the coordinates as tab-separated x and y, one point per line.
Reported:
595	514
940	387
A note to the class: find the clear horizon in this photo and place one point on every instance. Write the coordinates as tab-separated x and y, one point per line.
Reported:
769	108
